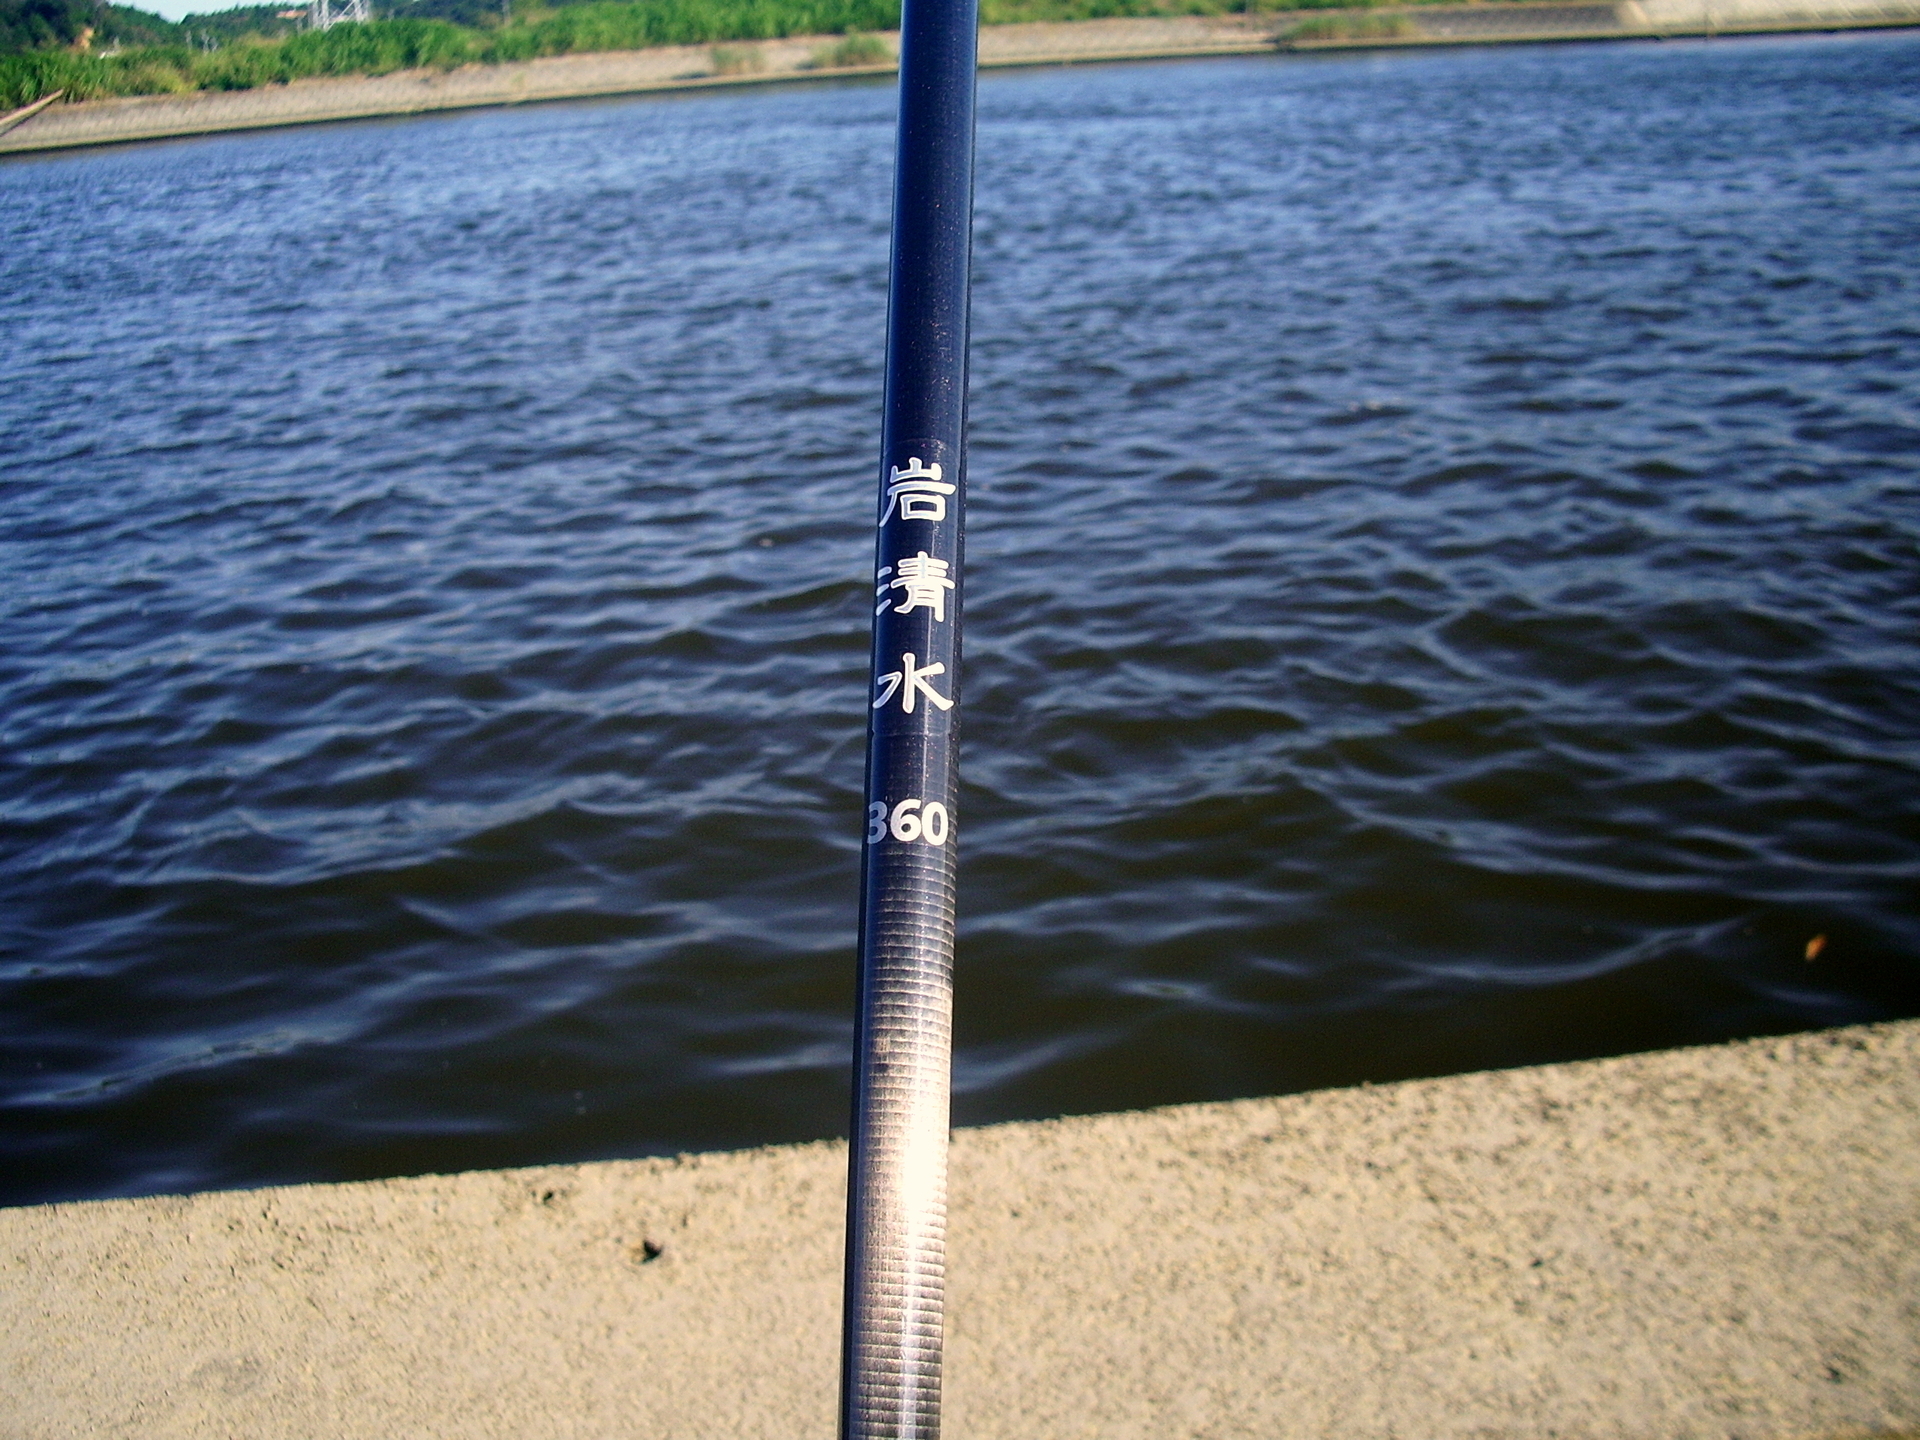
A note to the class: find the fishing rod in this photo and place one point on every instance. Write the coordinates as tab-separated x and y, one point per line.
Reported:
903	1042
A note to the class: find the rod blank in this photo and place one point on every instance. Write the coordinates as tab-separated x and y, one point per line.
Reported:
897	1178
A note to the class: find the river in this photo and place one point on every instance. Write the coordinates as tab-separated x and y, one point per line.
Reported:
1444	581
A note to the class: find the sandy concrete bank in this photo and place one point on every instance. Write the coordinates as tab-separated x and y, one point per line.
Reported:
1714	1243
572	77
1615	20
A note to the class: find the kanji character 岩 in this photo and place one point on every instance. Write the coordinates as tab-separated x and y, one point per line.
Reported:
918	492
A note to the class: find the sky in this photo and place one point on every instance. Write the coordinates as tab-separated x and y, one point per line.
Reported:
178	9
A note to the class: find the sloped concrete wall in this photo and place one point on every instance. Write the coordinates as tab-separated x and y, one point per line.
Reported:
1697	16
1482	24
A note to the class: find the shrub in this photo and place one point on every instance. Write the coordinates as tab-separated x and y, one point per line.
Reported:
852	53
24	78
737	59
1352	27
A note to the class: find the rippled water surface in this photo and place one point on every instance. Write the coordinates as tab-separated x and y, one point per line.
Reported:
1445	576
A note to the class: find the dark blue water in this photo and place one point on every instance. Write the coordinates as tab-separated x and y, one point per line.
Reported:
1445	576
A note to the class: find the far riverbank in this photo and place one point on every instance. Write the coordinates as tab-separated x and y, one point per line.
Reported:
570	77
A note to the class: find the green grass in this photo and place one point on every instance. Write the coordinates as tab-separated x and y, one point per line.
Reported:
387	45
1354	27
374	49
736	60
851	53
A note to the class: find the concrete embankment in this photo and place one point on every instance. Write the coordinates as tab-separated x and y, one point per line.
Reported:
1625	20
572	77
1721	1242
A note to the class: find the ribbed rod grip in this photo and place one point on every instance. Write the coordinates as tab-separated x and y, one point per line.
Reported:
897	1170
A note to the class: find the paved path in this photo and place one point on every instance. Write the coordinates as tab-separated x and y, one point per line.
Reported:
1702	1243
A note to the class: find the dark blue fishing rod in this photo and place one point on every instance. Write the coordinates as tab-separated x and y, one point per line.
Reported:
897	1171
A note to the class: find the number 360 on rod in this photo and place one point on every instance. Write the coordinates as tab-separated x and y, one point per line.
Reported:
908	822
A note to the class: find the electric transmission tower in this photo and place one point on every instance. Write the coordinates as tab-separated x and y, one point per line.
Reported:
325	14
